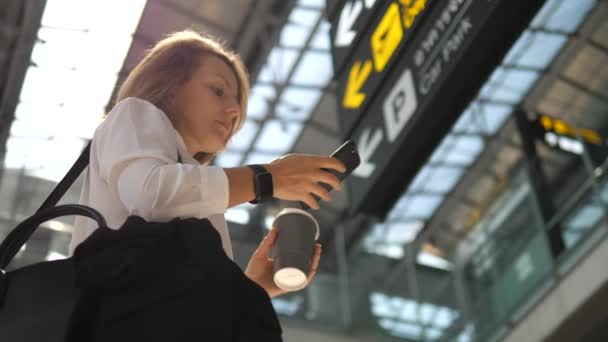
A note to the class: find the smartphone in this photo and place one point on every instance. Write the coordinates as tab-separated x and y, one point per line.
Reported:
347	154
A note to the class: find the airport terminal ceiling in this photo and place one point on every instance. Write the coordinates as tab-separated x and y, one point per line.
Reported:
557	67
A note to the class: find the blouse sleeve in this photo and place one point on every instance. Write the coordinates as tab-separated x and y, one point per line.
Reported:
137	152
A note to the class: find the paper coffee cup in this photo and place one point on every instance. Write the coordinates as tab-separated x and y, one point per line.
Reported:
297	232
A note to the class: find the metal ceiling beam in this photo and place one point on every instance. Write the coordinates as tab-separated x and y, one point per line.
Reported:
24	16
554	70
259	32
194	17
280	87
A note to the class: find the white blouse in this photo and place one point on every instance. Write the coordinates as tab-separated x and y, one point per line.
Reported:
133	170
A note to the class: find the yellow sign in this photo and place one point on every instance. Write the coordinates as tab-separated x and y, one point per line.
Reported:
562	128
411	10
385	39
353	97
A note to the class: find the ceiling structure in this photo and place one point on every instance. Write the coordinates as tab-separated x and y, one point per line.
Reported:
52	102
485	139
537	75
19	22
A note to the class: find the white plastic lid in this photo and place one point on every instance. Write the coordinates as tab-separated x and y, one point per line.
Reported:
302	212
290	279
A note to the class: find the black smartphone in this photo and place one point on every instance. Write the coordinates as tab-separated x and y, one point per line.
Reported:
347	154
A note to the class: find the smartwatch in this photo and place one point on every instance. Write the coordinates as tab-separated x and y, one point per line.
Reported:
262	184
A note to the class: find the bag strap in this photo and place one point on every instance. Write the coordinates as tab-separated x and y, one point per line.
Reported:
81	163
69	179
18	236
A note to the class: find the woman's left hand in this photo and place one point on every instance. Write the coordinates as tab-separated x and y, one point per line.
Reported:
260	267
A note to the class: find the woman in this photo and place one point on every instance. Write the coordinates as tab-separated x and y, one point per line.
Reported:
178	108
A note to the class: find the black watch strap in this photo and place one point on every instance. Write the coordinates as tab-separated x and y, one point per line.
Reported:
262	184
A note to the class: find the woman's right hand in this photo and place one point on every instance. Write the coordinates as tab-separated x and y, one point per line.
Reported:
295	177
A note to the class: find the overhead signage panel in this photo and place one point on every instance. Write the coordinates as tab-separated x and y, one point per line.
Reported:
441	68
371	61
351	22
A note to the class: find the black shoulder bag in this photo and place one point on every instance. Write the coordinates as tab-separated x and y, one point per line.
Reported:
147	281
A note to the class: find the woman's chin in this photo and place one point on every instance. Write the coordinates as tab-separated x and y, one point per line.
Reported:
215	146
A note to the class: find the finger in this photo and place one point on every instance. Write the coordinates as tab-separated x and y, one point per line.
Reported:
320	162
316	258
328	178
310	201
265	246
314	265
332	163
320	191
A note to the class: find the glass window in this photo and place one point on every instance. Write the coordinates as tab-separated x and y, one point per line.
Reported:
510	86
279	64
41	85
443	317
40	157
569	15
93	15
402	232
312	3
541	50
228	159
243	138
465	149
266	75
517	48
21	151
409	311
494	116
266	91
466	123
443	179
298	103
586	217
257	106
83	47
321	39
421	178
390	251
278	136
406	330
303	16
432	333
422	205
315	69
260	158
294	36
444	148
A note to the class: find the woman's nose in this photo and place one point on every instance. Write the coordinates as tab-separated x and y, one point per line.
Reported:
233	109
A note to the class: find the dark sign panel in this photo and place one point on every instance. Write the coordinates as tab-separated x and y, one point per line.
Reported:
436	73
351	20
369	63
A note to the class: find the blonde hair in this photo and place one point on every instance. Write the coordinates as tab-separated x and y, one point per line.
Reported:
170	64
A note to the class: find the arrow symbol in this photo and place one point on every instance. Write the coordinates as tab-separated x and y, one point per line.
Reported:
348	16
367	144
353	97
